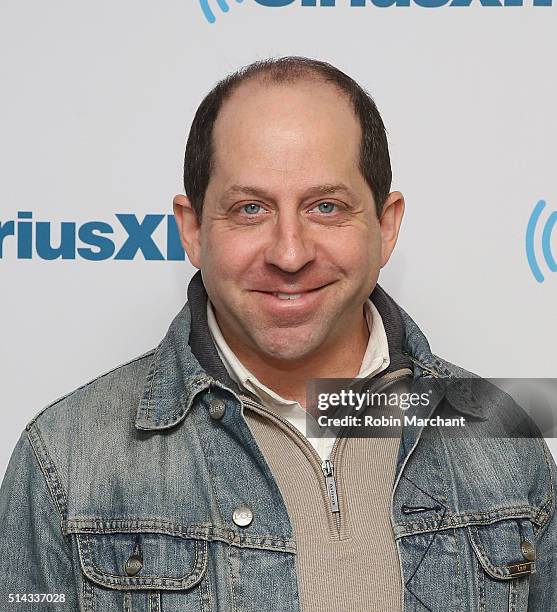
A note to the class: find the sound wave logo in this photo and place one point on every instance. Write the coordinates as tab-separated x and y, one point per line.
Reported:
546	234
208	12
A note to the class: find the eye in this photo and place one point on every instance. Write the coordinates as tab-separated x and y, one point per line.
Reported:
252	208
326	207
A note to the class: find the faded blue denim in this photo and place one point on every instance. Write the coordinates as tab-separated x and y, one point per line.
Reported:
133	461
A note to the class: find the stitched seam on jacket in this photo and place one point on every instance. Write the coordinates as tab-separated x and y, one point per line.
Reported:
402	533
88	595
154	366
231	581
154	602
209	594
463	519
203	532
550	503
49	471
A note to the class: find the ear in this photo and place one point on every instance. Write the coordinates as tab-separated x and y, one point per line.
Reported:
389	221
189	228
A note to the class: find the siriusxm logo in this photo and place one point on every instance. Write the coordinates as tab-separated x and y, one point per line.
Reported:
547	228
208	12
223	5
28	239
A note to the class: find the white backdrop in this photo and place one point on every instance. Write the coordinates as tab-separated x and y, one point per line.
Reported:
96	104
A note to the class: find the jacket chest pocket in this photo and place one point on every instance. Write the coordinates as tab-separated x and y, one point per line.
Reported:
505	554
142	572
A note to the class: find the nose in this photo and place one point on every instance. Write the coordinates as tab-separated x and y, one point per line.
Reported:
290	246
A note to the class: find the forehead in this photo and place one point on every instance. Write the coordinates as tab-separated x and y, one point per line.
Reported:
286	125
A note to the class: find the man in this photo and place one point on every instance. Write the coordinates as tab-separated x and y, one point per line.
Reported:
183	480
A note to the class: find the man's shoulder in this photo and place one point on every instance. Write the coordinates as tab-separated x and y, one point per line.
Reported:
120	388
509	433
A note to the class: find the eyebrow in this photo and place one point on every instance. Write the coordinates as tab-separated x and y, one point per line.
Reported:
317	190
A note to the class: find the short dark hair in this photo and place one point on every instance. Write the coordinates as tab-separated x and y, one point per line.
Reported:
375	163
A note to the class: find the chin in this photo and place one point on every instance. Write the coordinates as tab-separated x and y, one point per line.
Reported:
289	347
287	353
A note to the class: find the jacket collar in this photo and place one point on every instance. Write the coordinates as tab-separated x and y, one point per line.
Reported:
186	361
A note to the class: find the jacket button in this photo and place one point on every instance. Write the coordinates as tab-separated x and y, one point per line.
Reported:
242	515
528	550
133	565
217	409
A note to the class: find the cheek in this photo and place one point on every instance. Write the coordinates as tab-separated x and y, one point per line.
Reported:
226	253
356	253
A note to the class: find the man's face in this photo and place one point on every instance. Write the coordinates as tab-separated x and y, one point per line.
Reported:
290	245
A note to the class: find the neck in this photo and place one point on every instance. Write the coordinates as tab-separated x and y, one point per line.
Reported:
341	358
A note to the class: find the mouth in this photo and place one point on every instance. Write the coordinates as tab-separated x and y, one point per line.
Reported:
294	306
292	296
288	296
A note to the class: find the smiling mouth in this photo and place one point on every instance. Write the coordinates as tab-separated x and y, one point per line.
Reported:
288	296
282	295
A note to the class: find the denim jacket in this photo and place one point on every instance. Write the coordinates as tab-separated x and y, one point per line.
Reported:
129	495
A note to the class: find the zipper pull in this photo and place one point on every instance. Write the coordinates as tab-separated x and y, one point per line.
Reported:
327	467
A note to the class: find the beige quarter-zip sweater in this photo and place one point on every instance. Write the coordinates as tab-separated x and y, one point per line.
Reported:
346	557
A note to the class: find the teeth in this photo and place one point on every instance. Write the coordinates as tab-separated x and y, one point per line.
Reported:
288	296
